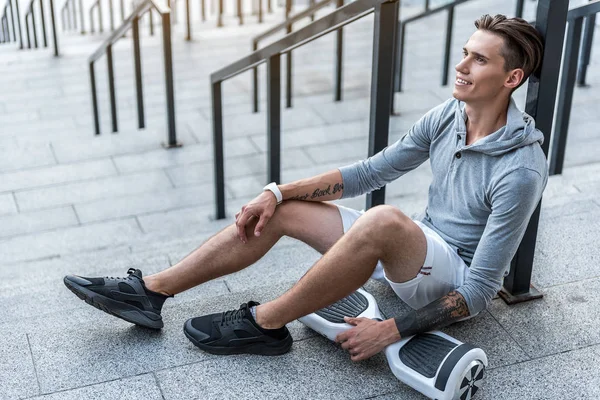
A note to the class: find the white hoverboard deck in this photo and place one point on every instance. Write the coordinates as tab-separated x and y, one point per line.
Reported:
433	363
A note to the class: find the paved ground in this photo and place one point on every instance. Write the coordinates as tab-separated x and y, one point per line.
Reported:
74	203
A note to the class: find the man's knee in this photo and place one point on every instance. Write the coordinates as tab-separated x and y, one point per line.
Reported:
385	220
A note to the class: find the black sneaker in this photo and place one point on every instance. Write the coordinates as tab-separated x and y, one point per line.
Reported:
236	332
125	298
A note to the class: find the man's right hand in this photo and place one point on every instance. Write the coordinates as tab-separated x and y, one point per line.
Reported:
262	207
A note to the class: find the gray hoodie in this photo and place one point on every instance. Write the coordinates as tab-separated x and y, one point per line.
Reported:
481	196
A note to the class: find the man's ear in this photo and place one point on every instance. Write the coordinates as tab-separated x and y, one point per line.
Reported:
514	78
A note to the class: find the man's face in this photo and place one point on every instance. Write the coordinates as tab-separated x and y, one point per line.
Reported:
480	76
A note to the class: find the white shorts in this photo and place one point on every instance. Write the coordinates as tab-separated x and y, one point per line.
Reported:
442	272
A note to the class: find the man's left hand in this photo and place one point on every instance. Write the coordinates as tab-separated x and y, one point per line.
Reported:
368	337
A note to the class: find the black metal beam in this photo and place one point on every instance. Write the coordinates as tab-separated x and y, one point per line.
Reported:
53	20
274	118
382	79
219	167
19	23
446	65
519	8
565	99
111	88
137	59
94	99
541	97
169	81
339	57
588	38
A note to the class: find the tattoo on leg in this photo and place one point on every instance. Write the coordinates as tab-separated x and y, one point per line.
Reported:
435	315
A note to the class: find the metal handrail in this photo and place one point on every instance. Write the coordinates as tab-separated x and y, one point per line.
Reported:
98	5
329	23
386	18
402	34
68	15
287	25
5	24
430	11
31	15
569	77
132	22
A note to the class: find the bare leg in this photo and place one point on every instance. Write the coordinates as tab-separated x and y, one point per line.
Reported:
382	233
314	223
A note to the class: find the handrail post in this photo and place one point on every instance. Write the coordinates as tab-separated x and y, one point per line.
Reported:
260	11
151	21
426	5
310	4
94	99
27	29
12	19
339	48
217	108
81	22
111	88
540	102
74	13
220	14
382	79
19	24
288	63
135	26
588	37
92	30
239	11
565	96
122	7
203	9
34	29
188	20
446	66
399	56
269	7
43	23
274	118
255	81
68	14
170	87
111	17
519	10
100	23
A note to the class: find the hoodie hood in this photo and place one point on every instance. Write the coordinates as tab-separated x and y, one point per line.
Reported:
519	131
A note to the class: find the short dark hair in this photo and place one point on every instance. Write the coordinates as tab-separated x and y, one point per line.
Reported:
523	44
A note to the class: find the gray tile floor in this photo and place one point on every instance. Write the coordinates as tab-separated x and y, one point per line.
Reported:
71	202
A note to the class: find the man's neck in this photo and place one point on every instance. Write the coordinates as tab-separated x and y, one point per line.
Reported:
483	119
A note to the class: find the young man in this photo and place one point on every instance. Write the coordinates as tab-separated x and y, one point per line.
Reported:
489	172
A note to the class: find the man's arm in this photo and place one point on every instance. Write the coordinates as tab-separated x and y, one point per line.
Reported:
437	314
323	187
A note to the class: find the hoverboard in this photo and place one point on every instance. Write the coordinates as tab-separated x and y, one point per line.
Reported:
432	363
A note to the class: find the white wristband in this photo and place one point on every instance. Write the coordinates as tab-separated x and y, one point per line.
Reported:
275	190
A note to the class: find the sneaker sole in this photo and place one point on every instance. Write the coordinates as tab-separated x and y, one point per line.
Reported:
262	349
115	308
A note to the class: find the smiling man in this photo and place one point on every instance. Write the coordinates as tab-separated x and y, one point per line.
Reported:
489	172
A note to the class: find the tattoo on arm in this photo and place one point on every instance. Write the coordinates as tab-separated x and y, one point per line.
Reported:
435	315
338	187
304	197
